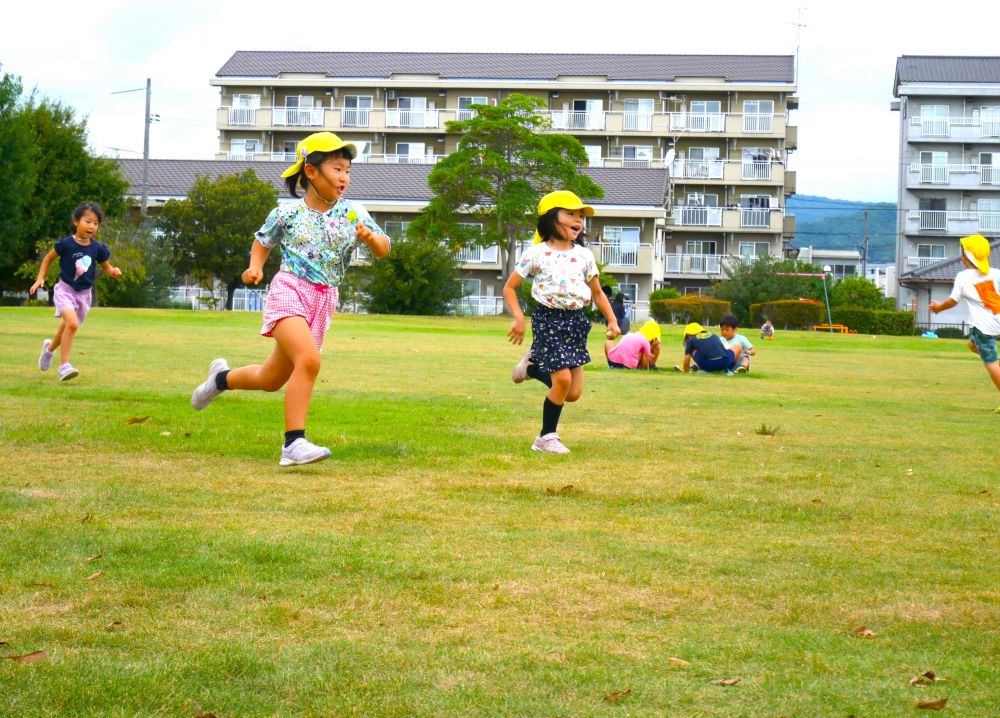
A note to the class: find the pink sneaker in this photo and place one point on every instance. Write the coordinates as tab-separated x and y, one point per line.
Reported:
549	443
520	372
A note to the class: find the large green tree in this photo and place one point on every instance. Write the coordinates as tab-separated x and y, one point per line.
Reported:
17	179
419	276
766	279
859	292
503	163
209	234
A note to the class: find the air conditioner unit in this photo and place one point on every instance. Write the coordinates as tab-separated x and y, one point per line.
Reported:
554	95
390	94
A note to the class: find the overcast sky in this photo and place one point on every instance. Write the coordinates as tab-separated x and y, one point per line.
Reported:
80	53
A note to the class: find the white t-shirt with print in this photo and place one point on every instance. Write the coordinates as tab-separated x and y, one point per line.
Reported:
558	277
981	293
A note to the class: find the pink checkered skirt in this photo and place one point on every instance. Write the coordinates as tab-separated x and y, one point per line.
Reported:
292	296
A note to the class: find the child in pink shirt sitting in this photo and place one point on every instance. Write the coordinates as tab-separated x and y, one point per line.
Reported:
636	350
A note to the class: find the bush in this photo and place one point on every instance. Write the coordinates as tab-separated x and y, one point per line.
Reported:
950	333
876	321
787	313
665	293
689	308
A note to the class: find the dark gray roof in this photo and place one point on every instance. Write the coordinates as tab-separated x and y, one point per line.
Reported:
370	182
510	66
945	271
946	68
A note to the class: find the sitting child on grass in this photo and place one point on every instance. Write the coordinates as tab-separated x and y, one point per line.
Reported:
705	351
727	328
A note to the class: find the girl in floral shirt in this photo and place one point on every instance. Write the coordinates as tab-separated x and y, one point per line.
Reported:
317	235
564	281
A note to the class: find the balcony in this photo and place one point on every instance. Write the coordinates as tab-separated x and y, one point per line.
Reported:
699	169
729	219
964	129
479	256
758	123
618	256
697	216
698	121
403	159
951	222
577	120
355	117
788	226
297	116
412	119
755	218
958	176
791	137
694	264
637	121
756	171
791	182
241	116
918	262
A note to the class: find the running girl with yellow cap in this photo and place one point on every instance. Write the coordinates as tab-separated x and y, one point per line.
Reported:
564	281
317	235
979	286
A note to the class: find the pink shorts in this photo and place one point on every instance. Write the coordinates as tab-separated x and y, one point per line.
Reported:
65	297
292	296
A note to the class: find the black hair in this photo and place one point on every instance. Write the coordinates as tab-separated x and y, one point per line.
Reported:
547	227
729	320
315	159
82	209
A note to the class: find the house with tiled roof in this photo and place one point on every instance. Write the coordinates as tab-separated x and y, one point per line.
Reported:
949	167
708	135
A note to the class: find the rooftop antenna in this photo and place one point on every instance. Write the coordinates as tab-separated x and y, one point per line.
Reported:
798	34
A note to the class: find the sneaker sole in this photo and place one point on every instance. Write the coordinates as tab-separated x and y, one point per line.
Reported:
69	375
554	453
293	462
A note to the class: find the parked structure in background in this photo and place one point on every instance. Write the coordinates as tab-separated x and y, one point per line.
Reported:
949	168
842	262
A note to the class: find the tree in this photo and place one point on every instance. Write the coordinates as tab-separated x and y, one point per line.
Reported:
502	165
761	280
17	161
209	234
417	277
858	292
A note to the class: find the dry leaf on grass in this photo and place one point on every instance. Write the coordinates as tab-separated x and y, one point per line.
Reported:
113	625
43	584
95	558
617	695
926	678
86	518
862	632
137	420
726	682
92	576
33	657
567	489
678	661
932	705
4	643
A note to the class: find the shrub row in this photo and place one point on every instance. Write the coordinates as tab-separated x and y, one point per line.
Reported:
875	321
689	308
787	313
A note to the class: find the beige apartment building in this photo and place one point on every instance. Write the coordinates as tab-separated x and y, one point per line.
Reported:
693	148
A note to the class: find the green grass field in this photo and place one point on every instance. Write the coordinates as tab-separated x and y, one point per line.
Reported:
435	566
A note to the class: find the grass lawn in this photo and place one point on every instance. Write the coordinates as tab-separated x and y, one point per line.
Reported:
704	528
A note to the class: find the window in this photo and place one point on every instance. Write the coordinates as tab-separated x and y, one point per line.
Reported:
700	247
758	115
934	120
411	111
246	102
989	120
587	115
594	158
753	250
411	153
839	271
758	107
464	106
706	116
244	149
298	110
396	229
624	246
471	287
693	290
934	167
757	201
630	292
697	199
705	107
704	163
356	110
930	251
637	155
638	115
244	109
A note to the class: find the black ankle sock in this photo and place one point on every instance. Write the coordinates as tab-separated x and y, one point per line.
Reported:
291	436
220	380
550	416
535	373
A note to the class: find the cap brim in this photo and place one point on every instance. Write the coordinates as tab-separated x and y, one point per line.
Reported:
294	169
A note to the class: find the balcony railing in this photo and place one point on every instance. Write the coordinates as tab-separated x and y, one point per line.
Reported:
411	118
243	116
297	116
755	218
638	121
989	174
755	123
698	121
954	221
965	128
699	169
577	120
756	171
618	255
694	263
355	117
478	255
922	261
465	114
405	159
698	216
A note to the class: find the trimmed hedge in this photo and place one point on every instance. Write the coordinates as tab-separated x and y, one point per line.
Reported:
950	333
875	321
689	308
787	313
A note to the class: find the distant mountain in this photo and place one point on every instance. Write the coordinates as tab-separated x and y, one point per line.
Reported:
827	223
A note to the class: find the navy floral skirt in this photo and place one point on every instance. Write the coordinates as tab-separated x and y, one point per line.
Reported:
559	338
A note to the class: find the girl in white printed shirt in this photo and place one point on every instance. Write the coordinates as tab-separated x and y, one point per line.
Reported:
564	281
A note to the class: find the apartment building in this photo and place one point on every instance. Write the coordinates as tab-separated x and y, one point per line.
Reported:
709	132
949	167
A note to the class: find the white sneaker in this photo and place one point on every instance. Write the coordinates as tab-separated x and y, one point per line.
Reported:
207	390
45	358
520	372
301	451
67	372
549	443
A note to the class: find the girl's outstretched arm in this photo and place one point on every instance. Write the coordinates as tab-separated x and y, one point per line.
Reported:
378	244
258	255
516	331
605	306
42	271
109	270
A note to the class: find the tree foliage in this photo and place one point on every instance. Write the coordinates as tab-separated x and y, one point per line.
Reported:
419	276
48	170
753	282
502	165
858	292
209	234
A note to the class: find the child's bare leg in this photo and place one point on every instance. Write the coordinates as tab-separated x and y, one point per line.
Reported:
608	346
575	384
65	334
296	341
994	372
561	382
269	376
973	348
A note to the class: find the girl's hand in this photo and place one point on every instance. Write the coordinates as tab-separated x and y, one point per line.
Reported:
613	330
363	233
36	286
253	275
115	272
516	332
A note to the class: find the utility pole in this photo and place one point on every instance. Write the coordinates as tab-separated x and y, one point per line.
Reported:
145	154
864	249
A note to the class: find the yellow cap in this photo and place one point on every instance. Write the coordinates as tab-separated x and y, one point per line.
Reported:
564	199
317	142
650	330
693	328
977	250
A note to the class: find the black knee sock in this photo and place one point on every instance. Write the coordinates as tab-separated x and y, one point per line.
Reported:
550	416
220	380
291	436
535	373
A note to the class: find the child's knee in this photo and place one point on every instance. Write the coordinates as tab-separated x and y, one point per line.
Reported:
308	363
574	394
973	348
71	324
